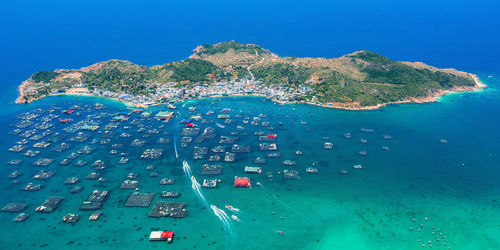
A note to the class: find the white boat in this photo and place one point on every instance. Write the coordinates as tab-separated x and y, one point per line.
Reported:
232	208
235	218
220	125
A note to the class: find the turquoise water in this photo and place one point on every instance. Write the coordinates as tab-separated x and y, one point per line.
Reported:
453	185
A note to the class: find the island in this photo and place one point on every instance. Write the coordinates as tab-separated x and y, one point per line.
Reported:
362	80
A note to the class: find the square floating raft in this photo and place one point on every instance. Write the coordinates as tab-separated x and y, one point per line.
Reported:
91	205
14	207
211	169
49	205
129	184
137	199
95	200
167	209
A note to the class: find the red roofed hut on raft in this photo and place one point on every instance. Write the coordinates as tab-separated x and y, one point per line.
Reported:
162	236
241	182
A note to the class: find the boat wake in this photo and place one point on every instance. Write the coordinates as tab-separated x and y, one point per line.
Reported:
187	169
195	185
223	217
175	148
279	200
197	189
219	213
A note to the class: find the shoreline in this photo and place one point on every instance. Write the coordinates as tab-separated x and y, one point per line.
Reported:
432	97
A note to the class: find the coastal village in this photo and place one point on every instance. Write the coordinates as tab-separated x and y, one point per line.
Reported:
170	93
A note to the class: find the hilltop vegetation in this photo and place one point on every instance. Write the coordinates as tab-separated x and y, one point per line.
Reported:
224	47
362	78
44	76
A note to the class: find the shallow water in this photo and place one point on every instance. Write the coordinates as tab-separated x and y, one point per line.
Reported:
453	185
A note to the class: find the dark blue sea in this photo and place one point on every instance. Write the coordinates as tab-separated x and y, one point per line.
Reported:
436	185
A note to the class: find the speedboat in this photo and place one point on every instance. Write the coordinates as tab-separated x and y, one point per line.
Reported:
232	208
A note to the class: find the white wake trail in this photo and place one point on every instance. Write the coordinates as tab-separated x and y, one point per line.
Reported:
195	185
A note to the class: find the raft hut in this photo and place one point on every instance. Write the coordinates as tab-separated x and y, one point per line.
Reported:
161	236
163	115
241	182
253	170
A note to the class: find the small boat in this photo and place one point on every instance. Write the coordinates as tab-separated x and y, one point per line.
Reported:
358	166
311	170
232	208
279	232
220	125
234	217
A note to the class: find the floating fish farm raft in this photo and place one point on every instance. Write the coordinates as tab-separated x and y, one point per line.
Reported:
127	184
168	209
207	169
70	218
14	207
137	199
49	205
44	175
167	181
95	200
95	216
170	194
76	189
